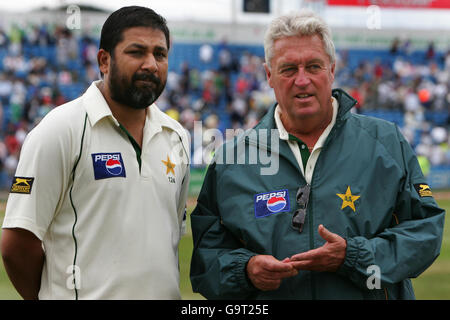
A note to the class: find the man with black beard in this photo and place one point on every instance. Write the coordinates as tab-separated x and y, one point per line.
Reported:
97	206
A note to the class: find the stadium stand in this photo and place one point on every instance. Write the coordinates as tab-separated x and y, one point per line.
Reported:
224	86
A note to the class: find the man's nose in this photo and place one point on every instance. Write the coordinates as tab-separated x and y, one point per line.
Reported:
150	63
302	78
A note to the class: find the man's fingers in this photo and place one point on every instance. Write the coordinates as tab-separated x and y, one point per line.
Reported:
302	265
266	272
277	266
327	235
276	269
308	255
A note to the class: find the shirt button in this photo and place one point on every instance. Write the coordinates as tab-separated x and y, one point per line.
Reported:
303	146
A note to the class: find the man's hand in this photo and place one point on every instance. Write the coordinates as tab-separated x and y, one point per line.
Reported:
266	272
329	257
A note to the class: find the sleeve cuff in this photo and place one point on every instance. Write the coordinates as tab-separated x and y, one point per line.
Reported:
351	257
241	270
22	223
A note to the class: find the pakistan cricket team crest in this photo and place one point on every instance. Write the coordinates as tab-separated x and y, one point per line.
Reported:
348	199
169	169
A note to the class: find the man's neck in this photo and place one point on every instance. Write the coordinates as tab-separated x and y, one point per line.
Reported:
307	130
132	119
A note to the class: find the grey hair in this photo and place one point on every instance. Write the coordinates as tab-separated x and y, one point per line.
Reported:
304	23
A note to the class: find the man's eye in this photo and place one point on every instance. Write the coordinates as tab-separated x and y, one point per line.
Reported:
160	54
314	68
288	71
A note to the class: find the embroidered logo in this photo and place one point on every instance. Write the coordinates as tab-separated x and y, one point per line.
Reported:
108	165
271	202
423	190
348	199
22	185
169	169
169	166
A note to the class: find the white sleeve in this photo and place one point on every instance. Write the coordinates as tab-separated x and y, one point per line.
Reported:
41	179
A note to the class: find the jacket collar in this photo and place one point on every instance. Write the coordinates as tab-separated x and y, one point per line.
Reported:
345	101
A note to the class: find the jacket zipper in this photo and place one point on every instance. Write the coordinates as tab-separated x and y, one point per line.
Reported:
310	214
311	238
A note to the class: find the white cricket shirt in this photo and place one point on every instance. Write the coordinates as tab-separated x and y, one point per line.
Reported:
110	228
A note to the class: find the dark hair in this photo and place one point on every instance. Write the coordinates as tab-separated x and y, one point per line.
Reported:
129	17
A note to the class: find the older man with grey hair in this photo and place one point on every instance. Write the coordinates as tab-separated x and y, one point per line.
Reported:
348	215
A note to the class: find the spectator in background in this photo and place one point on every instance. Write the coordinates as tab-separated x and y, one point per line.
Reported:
4	40
429	55
206	53
67	47
372	78
395	46
424	164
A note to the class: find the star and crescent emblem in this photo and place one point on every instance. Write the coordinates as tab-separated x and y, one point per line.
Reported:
169	166
348	199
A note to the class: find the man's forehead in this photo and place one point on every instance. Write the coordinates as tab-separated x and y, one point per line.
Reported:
299	47
143	37
298	40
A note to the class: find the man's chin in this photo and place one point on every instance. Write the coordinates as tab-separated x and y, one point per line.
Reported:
142	100
305	111
142	104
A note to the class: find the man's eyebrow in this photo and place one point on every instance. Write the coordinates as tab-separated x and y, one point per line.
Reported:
286	64
316	60
144	47
313	60
136	45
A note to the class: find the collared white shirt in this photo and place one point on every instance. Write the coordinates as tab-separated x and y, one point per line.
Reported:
314	155
105	222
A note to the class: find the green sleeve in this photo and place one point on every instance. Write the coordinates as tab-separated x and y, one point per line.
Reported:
410	246
218	266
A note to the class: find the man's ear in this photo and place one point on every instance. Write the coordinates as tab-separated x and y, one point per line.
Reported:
268	74
103	59
333	69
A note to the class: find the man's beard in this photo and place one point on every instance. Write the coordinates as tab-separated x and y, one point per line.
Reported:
128	93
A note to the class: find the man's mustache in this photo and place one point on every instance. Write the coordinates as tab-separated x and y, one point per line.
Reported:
147	77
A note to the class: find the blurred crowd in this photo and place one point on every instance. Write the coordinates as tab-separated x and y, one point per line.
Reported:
44	66
415	84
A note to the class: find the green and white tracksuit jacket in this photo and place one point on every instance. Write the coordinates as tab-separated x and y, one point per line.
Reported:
391	222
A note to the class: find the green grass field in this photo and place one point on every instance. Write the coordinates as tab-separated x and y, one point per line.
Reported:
434	283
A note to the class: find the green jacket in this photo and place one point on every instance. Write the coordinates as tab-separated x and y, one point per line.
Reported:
396	225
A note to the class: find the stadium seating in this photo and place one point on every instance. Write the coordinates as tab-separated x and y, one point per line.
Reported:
189	53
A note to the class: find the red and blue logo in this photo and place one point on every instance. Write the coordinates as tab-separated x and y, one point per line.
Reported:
108	165
114	167
272	202
276	204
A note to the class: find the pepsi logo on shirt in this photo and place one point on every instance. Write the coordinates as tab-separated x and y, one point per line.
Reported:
108	165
